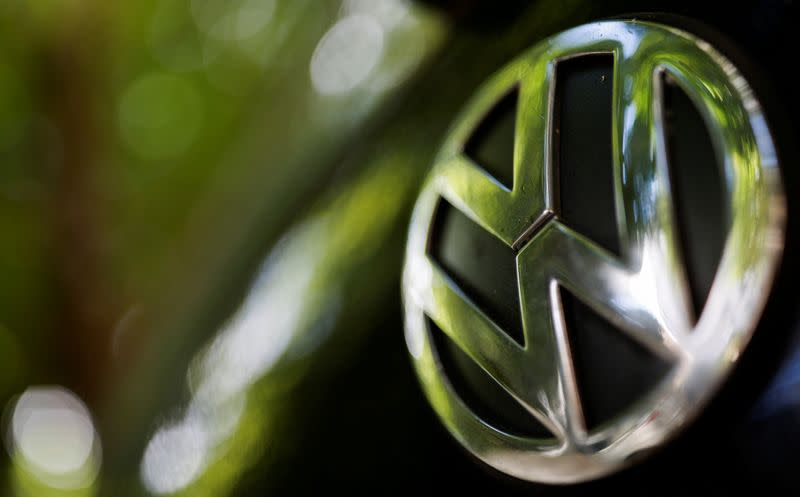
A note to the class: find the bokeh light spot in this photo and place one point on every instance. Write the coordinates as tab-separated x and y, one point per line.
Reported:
53	438
389	13
232	19
160	115
174	457
347	54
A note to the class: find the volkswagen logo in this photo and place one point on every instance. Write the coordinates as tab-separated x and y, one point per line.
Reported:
640	289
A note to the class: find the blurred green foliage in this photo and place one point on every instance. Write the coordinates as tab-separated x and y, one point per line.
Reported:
141	144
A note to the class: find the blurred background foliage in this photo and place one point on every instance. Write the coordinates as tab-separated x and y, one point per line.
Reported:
202	215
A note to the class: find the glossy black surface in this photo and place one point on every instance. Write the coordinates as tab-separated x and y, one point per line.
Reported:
695	175
582	148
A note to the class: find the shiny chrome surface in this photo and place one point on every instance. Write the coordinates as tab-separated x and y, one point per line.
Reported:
644	292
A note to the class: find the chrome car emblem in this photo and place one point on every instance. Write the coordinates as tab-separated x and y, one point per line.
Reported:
642	292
